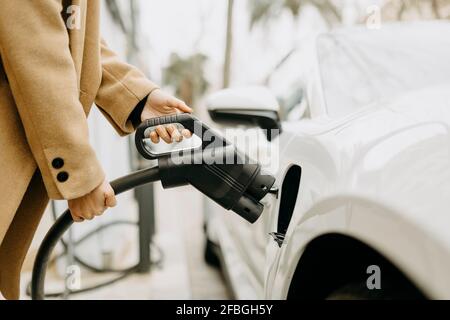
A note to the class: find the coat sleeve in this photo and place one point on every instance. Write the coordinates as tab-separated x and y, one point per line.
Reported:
34	48
122	88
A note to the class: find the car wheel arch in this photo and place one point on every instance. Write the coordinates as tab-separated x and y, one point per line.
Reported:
333	260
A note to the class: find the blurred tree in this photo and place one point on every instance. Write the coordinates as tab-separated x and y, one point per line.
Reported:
187	76
415	9
262	11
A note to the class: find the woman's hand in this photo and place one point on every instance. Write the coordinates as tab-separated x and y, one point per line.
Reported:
93	204
161	104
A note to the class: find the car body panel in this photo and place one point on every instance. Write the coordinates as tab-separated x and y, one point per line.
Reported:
354	182
384	174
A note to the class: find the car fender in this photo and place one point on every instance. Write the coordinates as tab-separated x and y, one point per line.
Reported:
419	255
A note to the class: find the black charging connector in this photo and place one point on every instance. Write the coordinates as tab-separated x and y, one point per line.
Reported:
217	169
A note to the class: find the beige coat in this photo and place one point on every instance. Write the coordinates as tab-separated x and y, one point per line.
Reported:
50	76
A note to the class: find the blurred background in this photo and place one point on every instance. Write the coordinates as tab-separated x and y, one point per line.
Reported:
192	48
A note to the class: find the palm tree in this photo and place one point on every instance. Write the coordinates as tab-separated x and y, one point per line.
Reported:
187	76
421	9
262	11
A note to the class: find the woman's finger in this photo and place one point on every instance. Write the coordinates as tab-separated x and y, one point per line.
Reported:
163	134
174	133
154	137
101	211
186	133
110	200
89	216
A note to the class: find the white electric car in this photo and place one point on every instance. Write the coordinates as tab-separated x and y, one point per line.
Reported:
363	172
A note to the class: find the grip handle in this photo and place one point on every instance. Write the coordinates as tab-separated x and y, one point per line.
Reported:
188	121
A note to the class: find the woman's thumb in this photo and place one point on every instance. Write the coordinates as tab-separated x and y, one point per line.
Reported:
110	199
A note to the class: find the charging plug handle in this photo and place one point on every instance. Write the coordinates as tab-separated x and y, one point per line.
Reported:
188	121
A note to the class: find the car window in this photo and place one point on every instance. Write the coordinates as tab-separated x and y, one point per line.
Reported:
359	66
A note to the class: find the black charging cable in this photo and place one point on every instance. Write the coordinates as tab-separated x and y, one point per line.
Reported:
64	222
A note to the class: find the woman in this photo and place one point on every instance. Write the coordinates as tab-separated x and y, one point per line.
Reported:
53	68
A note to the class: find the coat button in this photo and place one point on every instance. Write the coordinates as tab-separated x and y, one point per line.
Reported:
58	163
62	176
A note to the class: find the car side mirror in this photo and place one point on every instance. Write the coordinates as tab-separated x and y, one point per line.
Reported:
255	106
